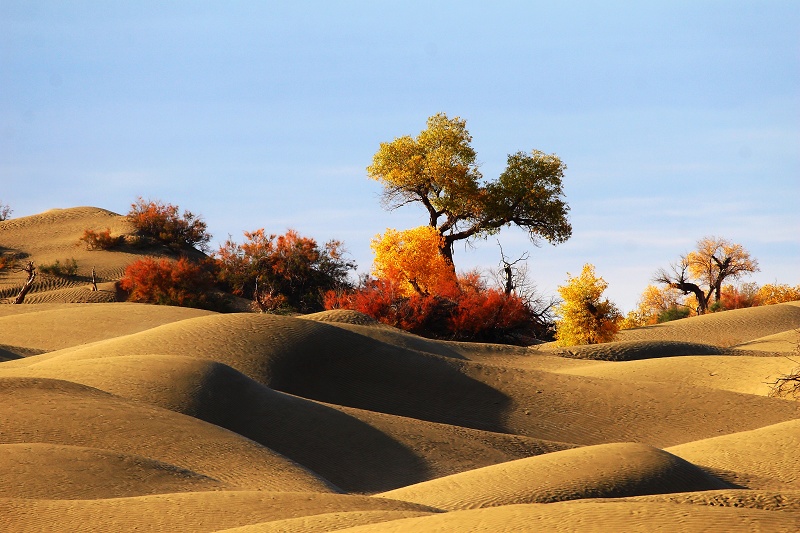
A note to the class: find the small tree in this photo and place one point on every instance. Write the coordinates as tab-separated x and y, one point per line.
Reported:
585	317
157	221
164	282
5	212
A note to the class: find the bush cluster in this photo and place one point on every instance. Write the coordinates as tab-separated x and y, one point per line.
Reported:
163	223
101	240
472	312
166	282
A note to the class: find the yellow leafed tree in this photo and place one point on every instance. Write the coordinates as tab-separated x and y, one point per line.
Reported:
585	317
412	259
777	293
653	303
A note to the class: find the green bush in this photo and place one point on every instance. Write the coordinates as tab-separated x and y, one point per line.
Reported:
673	313
68	268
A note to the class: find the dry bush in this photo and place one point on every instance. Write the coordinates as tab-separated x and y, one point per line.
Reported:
68	268
100	240
788	386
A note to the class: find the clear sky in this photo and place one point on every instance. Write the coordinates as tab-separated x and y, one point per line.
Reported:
676	119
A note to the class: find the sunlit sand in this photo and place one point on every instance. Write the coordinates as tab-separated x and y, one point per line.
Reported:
122	417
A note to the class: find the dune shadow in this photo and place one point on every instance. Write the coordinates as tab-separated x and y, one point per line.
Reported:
353	455
341	367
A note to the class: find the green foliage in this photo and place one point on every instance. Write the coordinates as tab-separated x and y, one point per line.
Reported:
438	169
160	222
673	313
68	268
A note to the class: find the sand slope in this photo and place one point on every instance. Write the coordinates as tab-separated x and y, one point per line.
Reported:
129	417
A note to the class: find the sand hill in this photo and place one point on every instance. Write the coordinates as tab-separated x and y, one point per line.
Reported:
130	417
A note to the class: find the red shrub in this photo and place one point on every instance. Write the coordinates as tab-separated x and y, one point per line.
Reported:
474	312
165	282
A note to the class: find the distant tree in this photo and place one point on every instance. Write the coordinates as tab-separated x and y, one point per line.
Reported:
777	293
438	169
164	282
277	270
163	223
412	261
702	272
584	317
656	304
5	212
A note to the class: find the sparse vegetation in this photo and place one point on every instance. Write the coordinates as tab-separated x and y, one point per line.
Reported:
101	240
788	386
5	212
69	267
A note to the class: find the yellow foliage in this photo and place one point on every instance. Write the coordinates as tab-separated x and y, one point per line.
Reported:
652	303
717	259
585	318
777	293
412	259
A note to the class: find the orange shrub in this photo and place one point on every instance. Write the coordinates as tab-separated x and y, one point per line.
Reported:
166	282
100	240
162	222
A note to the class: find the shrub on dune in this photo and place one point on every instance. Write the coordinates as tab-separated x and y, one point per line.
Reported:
164	282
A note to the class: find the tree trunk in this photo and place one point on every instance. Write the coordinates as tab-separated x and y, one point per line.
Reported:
31	270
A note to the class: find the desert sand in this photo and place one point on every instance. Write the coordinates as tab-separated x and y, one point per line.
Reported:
131	417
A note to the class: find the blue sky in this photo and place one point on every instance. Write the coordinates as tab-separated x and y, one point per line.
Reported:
676	120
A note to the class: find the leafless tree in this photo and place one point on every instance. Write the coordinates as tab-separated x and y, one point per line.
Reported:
30	269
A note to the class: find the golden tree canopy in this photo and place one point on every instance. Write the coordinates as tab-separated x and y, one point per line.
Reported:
702	272
412	260
585	317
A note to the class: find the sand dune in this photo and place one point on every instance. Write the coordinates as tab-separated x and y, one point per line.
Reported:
764	458
196	512
604	471
64	413
610	517
130	417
